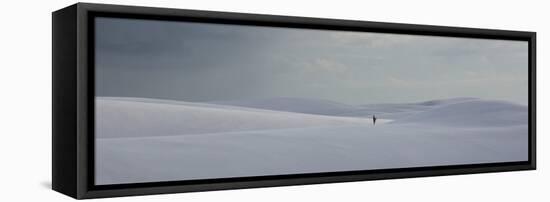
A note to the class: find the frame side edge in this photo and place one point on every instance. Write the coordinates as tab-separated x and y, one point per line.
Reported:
533	98
63	101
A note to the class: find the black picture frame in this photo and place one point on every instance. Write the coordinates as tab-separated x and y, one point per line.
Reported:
73	103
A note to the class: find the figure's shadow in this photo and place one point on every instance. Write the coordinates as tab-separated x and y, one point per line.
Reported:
46	184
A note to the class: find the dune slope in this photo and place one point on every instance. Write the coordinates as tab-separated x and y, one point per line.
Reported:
129	118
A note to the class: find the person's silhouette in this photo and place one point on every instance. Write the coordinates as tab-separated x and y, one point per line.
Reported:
373	120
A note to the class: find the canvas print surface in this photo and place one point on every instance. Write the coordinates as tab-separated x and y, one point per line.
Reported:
186	100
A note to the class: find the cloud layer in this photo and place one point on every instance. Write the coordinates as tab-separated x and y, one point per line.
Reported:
211	62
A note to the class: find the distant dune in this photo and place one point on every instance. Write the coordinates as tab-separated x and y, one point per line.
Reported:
325	107
472	113
447	101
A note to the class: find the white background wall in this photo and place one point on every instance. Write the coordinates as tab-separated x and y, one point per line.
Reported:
25	99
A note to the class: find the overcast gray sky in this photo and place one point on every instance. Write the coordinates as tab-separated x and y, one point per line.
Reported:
211	62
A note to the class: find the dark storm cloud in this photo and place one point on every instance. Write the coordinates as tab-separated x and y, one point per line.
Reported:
175	60
207	62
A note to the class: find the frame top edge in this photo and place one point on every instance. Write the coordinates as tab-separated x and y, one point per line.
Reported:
422	29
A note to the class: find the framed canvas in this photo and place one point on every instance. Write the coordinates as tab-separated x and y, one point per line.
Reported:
155	100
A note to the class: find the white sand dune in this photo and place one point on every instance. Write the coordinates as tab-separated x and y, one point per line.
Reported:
305	150
147	140
299	105
118	117
472	113
325	107
402	110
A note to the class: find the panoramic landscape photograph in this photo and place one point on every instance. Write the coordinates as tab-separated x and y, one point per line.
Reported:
189	101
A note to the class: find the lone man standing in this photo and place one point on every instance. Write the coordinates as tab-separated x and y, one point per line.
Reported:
373	120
